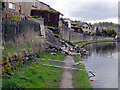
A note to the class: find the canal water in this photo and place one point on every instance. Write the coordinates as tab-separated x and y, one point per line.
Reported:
103	62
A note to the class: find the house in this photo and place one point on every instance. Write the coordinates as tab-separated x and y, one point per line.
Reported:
87	28
73	24
51	18
68	22
25	9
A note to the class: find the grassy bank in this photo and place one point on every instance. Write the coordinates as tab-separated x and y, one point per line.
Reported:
10	49
80	78
82	43
36	75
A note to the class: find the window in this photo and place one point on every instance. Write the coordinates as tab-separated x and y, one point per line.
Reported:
34	4
19	8
12	6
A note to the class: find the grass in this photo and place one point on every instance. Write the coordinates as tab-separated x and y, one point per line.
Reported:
47	55
82	43
77	58
80	78
75	43
36	75
9	48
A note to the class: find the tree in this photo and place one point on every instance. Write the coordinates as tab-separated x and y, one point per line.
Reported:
108	32
98	33
2	5
114	33
104	33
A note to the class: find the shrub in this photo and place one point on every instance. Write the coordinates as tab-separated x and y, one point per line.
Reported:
30	19
108	32
16	18
79	29
58	36
2	4
98	32
52	28
35	16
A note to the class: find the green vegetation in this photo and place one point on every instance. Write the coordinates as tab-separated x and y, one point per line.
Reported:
76	21
77	58
110	33
82	43
75	43
106	32
16	18
105	24
52	28
80	78
58	36
30	19
35	75
98	32
47	55
79	29
2	4
35	16
45	10
10	49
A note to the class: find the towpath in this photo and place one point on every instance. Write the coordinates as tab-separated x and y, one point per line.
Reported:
66	80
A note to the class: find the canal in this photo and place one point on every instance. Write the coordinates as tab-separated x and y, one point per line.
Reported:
103	62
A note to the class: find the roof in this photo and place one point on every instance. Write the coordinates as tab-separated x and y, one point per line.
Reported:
55	10
43	3
73	23
81	24
48	6
102	28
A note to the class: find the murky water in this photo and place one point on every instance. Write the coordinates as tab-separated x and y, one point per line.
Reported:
103	61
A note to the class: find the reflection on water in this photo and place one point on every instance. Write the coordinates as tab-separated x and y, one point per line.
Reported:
103	61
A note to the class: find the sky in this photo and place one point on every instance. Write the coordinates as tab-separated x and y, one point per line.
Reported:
87	10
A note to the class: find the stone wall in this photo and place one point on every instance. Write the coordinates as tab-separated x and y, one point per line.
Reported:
64	32
12	28
69	34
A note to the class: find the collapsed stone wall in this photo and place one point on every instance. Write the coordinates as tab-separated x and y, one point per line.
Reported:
63	46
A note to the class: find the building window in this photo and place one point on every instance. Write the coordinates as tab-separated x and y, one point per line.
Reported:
19	8
34	4
48	16
11	6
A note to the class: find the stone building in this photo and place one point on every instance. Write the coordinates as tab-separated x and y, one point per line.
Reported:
12	7
24	9
68	22
87	28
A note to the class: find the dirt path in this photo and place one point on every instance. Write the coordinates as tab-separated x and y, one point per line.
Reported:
66	80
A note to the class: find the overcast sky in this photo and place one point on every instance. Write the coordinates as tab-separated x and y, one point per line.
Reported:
87	10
